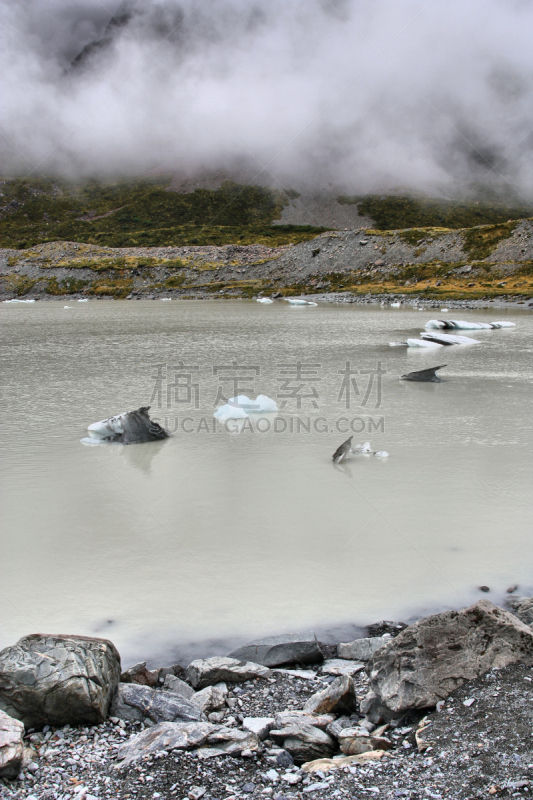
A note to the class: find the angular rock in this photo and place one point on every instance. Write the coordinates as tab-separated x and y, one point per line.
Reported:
139	674
133	703
361	649
177	686
11	746
321	721
290	648
522	607
338	698
233	741
208	671
211	698
431	658
58	680
353	742
164	736
330	764
340	724
341	666
261	726
304	742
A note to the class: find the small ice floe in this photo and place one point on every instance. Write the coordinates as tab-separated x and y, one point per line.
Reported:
460	324
16	300
264	300
360	449
448	338
444	310
67	306
165	299
428	375
129	427
298	301
395	305
241	407
397	344
421	343
83	300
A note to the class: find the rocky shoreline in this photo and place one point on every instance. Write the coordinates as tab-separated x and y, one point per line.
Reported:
441	708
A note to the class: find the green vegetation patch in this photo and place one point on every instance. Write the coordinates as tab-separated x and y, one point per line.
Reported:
480	242
143	213
392	212
65	286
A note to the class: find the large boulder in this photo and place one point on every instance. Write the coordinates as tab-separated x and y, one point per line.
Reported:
361	649
219	669
11	746
338	698
522	607
58	680
290	648
134	702
304	742
431	658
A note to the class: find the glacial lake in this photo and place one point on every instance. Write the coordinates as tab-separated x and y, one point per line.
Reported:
185	547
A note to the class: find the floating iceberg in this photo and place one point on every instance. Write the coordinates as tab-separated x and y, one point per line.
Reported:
296	301
129	427
460	324
422	343
381	454
241	406
264	300
448	338
16	300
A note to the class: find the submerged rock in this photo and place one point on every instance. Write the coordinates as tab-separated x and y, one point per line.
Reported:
290	648
58	680
431	658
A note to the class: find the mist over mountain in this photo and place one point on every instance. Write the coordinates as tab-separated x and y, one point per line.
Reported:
361	97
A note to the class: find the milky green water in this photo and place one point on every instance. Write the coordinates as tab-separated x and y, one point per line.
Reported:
186	546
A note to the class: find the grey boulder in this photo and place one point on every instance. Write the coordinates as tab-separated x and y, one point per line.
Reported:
304	742
11	746
208	671
134	702
290	648
522	607
139	674
177	686
431	658
211	698
361	649
58	680
164	736
338	698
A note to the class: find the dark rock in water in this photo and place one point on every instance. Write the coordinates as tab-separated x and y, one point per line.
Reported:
385	626
139	674
133	703
522	607
484	589
58	680
133	427
512	589
290	648
431	658
342	450
428	375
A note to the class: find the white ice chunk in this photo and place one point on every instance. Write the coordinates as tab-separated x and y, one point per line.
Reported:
92	440
501	324
397	344
395	305
265	404
297	301
107	427
16	300
366	448
382	454
264	300
228	411
83	300
421	343
164	299
242	400
67	306
434	324
444	310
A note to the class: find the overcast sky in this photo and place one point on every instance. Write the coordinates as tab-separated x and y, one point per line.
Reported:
361	95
